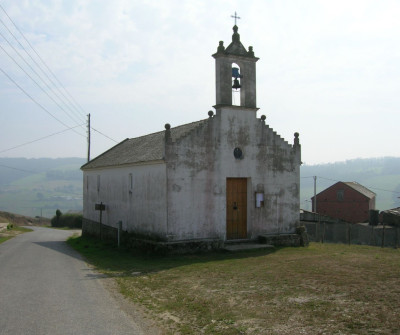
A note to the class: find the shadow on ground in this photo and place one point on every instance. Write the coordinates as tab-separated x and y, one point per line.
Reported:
121	262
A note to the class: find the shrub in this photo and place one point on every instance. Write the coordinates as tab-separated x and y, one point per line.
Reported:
10	226
67	220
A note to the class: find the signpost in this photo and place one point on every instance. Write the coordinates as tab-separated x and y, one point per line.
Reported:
100	207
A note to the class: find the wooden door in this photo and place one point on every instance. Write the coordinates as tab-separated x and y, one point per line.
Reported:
236	208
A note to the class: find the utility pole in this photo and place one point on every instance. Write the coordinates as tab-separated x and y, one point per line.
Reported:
88	138
315	194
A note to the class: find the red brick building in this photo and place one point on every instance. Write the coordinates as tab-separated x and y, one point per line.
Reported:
348	201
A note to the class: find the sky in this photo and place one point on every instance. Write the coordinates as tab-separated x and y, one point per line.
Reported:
328	69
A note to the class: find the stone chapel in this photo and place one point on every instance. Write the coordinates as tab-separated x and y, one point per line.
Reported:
227	177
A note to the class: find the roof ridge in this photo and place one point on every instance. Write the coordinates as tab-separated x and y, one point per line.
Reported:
354	185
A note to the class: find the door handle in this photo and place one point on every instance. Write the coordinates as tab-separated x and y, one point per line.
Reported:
235	206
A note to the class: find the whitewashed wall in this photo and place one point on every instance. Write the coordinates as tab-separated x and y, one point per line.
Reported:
199	164
141	208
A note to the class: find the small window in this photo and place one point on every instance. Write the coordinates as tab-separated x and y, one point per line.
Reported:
87	183
130	182
340	195
98	183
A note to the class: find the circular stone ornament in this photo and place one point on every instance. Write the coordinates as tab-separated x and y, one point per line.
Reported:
237	152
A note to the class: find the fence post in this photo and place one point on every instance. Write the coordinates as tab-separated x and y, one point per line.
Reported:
119	232
372	237
350	225
383	235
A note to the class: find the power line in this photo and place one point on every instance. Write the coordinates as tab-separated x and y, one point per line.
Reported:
70	99
37	84
104	135
14	168
374	188
39	139
32	69
37	103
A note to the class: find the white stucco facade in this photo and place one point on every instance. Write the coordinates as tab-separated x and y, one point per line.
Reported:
174	184
135	195
198	167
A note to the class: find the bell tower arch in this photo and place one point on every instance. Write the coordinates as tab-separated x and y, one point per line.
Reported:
228	78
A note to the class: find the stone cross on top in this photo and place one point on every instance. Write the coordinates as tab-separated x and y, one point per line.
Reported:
235	17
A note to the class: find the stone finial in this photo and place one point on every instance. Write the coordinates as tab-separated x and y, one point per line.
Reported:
263	117
235	36
221	47
210	114
168	138
296	139
250	52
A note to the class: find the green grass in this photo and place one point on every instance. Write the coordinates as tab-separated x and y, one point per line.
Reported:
21	229
14	231
4	238
325	288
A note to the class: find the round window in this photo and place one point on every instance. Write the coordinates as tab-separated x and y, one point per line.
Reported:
237	152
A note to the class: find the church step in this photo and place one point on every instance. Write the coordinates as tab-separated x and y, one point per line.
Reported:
239	241
245	246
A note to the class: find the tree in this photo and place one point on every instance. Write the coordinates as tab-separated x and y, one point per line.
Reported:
58	215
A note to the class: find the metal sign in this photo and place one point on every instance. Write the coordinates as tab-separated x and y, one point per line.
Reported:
100	207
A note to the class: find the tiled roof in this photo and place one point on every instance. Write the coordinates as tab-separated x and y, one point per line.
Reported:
359	188
140	149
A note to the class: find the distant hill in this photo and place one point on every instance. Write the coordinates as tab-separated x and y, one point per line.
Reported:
38	187
21	220
35	187
380	175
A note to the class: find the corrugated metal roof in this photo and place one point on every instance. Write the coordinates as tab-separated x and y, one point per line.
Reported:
394	211
362	189
140	149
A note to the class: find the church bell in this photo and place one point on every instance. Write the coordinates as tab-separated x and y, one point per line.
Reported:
236	75
236	84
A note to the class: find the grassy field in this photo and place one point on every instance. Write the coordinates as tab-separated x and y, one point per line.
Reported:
41	194
10	233
322	289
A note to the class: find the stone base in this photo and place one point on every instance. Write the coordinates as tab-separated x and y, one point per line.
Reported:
246	247
300	239
173	248
282	240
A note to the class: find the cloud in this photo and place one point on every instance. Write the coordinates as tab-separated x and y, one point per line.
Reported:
326	68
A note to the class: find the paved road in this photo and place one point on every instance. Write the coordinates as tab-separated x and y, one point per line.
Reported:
46	288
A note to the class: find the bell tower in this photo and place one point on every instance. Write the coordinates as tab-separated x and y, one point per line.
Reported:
235	69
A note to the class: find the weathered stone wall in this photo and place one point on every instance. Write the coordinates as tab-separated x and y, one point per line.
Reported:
171	248
283	240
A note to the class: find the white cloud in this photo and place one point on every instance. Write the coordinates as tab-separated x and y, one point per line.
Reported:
327	68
